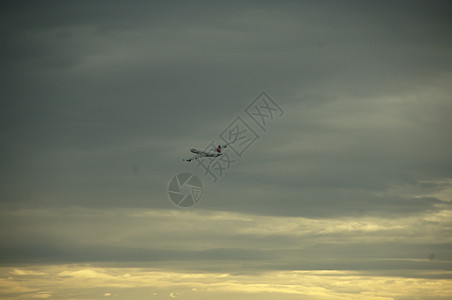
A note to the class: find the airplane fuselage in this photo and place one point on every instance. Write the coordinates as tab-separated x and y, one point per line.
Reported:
210	153
206	153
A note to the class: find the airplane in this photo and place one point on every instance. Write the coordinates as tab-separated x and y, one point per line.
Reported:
209	153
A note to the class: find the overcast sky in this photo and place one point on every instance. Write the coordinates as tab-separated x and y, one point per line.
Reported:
346	195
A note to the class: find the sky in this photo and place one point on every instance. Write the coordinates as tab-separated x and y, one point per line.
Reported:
346	193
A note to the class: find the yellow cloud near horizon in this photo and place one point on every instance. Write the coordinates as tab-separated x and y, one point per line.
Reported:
89	282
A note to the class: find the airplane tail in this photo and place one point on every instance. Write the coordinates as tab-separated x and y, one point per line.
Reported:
220	147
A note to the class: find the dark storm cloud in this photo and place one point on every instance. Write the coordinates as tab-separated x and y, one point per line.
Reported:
86	80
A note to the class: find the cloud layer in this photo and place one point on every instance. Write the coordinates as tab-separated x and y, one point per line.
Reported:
346	196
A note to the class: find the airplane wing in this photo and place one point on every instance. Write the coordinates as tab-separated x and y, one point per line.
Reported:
193	157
